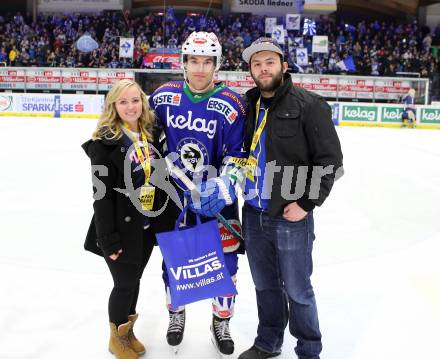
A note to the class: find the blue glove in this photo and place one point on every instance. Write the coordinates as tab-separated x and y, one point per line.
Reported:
211	196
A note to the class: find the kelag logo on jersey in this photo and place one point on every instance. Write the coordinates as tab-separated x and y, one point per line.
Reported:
167	98
223	107
187	122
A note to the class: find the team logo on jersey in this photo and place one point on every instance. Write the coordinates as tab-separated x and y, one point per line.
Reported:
223	107
167	98
187	122
193	154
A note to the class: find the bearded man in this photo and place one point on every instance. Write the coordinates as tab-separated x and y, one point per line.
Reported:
294	156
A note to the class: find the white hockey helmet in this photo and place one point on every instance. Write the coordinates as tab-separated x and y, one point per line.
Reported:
203	44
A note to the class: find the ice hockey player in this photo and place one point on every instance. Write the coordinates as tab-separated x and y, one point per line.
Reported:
409	113
204	124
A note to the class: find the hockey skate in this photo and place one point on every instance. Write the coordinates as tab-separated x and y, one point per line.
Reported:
176	328
404	123
221	337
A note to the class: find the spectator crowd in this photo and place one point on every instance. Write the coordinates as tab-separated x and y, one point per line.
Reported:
377	48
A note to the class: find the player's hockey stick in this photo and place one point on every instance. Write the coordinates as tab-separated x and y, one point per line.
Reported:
177	172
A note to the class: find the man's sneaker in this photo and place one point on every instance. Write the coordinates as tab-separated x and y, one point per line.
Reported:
221	336
176	327
255	353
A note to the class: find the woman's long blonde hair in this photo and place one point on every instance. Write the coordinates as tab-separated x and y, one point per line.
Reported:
110	125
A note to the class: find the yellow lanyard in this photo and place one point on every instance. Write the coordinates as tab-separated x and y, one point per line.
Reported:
145	160
260	128
252	162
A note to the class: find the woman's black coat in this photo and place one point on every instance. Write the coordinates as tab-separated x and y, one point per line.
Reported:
116	222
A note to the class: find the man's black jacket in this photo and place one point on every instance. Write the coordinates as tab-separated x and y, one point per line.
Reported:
300	135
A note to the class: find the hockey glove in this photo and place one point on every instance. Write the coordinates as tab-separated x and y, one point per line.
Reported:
211	196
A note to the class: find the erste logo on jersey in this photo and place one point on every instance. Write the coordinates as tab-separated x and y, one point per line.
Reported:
193	155
167	98
223	107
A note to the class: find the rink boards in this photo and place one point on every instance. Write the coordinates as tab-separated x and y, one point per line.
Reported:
90	106
382	115
51	105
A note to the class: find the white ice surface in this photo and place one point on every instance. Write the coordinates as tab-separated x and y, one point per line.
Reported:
376	273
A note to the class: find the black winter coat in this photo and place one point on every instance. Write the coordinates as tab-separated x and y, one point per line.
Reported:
299	132
116	222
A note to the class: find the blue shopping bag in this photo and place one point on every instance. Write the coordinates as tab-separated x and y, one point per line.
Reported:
195	262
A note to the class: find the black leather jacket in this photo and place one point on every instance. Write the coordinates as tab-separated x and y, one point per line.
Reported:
301	138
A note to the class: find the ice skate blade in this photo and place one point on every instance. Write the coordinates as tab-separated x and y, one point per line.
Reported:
175	349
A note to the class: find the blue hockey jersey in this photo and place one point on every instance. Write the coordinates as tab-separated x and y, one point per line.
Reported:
202	129
408	100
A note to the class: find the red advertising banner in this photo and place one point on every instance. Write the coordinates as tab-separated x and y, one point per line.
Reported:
106	78
331	86
79	79
341	87
43	79
151	58
12	79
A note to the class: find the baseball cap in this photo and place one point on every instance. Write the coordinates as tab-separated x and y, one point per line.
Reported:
262	44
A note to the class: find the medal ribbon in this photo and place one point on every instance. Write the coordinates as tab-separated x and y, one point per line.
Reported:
145	160
260	128
251	163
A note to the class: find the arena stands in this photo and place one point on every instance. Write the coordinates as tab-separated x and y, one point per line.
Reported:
373	48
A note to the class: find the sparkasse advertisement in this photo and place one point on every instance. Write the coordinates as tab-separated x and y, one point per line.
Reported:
52	105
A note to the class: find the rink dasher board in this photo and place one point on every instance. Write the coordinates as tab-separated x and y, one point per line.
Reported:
51	105
48	115
382	115
91	106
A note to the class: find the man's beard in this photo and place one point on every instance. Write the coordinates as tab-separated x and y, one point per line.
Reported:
272	85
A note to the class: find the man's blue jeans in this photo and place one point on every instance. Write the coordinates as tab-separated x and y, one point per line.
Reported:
280	259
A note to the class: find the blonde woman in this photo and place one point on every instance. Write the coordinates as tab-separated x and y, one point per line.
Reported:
120	231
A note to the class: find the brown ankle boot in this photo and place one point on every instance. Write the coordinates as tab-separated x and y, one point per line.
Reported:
119	344
135	344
